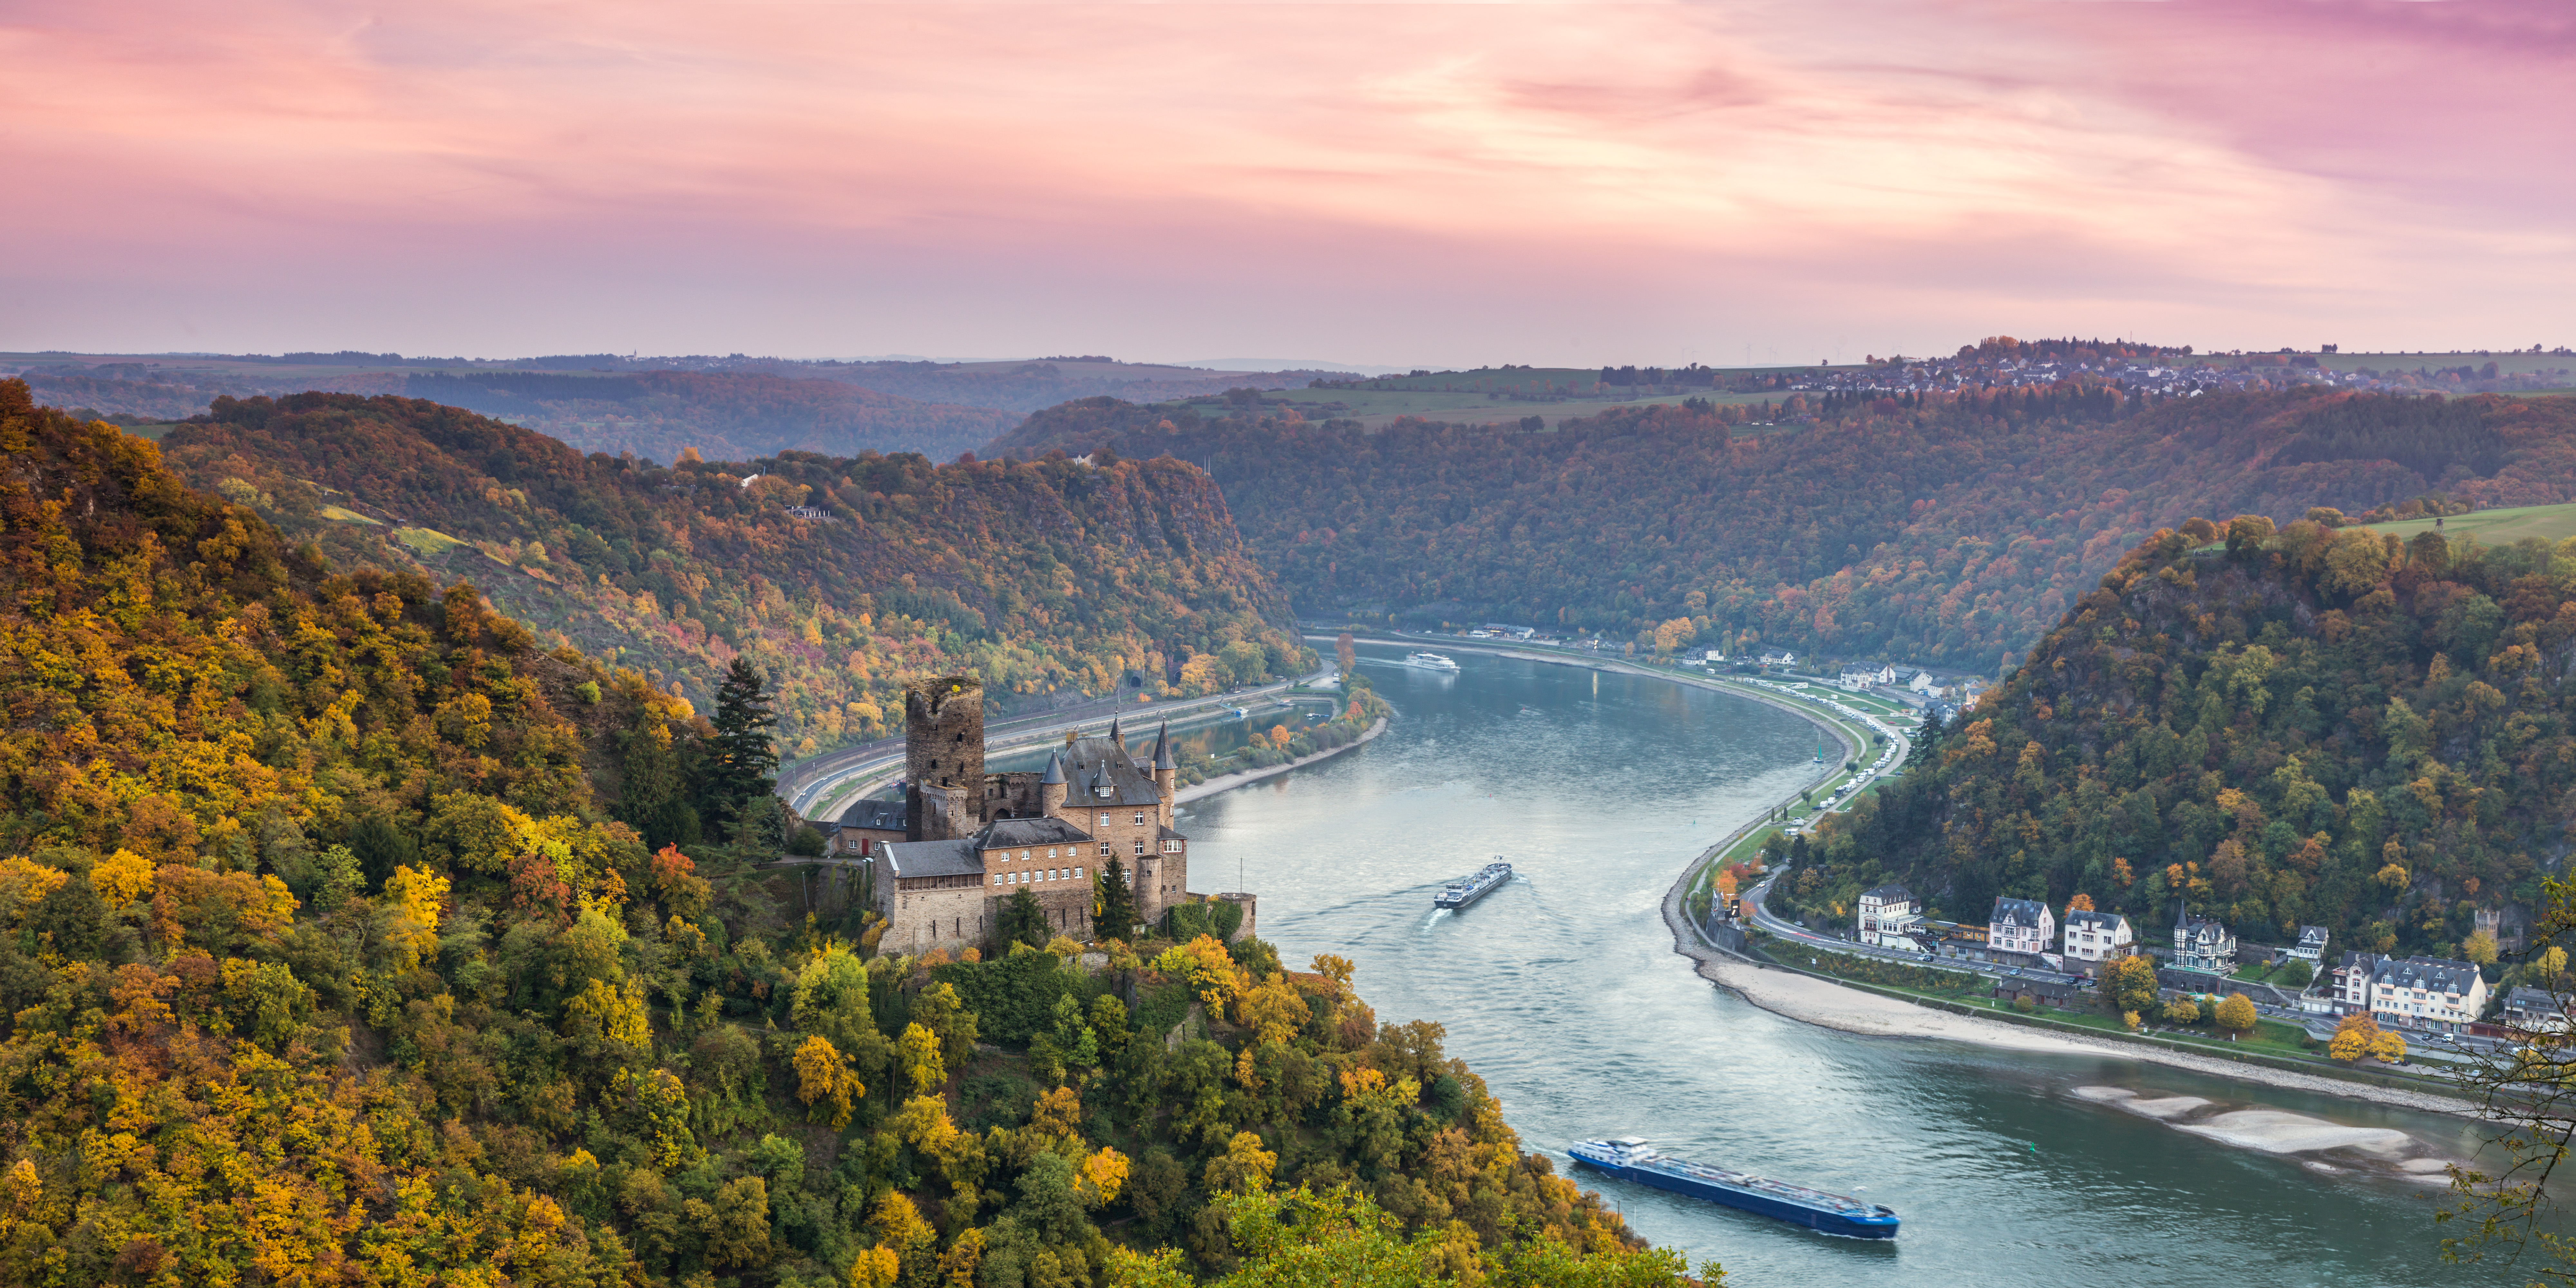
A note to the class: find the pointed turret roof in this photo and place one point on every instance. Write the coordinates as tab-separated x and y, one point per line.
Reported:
1163	748
1054	771
1113	732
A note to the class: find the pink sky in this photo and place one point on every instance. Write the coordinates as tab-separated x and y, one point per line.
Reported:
1446	184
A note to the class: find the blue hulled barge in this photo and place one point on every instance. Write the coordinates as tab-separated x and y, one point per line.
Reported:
1485	882
1631	1158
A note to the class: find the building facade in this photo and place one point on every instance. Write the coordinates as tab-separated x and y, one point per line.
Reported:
2096	937
2022	926
2202	944
1888	918
974	839
2423	992
2311	947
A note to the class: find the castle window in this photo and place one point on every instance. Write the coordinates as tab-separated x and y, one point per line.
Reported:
1140	845
997	878
1104	849
1104	820
1171	847
1077	874
1024	856
1140	818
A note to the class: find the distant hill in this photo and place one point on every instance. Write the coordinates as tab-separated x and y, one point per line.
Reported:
1053	580
731	408
725	415
1951	534
2304	727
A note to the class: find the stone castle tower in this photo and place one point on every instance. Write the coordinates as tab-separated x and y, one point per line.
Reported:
943	756
976	839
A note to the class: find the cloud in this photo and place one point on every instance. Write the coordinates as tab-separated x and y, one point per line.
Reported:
1418	183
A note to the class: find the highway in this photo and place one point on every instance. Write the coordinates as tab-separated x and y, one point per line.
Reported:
808	782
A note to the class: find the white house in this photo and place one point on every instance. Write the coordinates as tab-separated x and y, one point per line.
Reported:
2426	993
1860	679
1923	682
2202	944
2021	926
2311	947
1888	917
2098	936
1779	657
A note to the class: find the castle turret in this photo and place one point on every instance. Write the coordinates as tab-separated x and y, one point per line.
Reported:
1051	787
1167	771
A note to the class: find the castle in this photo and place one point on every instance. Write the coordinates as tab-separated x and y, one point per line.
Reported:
973	839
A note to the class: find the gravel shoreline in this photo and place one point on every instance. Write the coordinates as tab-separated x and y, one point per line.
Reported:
1849	1010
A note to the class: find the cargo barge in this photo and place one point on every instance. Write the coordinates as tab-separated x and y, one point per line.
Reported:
1465	892
1631	1158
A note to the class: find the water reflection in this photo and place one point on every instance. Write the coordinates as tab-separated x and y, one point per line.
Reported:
1562	992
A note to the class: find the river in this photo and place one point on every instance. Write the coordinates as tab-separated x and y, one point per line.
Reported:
1561	989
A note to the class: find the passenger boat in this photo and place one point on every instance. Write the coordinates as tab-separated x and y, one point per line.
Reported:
1631	1158
1429	662
1485	882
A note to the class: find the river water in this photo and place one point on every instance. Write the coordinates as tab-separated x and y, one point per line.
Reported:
1561	989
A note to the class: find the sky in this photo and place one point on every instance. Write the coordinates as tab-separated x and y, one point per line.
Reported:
1449	184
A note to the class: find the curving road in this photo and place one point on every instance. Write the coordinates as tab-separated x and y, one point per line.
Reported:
804	782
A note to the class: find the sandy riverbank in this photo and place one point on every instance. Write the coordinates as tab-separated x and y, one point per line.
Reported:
1849	1010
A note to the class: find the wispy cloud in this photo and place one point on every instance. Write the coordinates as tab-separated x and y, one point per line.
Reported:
1417	183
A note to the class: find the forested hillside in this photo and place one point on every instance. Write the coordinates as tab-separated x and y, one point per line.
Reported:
333	954
2301	727
722	415
839	576
1951	533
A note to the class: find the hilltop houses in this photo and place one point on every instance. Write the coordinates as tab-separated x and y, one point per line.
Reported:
1889	917
2095	937
2200	943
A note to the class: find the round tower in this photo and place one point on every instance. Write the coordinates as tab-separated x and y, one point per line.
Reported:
1051	787
1167	770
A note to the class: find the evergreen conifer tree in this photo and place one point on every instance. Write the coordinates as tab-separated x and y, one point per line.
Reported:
742	758
1023	921
1114	917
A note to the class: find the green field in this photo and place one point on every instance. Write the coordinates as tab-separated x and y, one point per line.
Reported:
2508	363
2497	527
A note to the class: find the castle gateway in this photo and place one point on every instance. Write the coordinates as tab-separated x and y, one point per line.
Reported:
973	839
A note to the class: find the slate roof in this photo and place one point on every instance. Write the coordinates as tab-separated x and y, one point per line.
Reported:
2019	912
2431	974
2200	927
1101	771
2529	1001
1014	833
2088	919
1168	834
1890	894
933	859
2312	937
881	816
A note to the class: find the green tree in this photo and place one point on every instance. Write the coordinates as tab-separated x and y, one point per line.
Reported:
742	757
1023	921
1114	907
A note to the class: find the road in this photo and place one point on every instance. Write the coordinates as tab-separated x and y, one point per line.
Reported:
808	781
